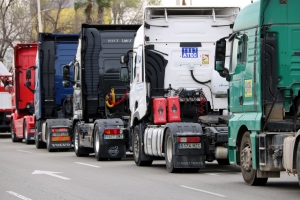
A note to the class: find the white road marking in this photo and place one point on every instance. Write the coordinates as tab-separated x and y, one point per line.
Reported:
25	151
220	195
87	164
18	195
212	174
50	174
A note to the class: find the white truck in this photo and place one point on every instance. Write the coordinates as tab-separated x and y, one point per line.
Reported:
5	99
177	101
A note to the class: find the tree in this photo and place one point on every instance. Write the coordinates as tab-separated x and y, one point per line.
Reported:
129	11
88	7
52	17
15	24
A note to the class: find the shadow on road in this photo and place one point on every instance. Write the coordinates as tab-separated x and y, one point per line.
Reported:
5	135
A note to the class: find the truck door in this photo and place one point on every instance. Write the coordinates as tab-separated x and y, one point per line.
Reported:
138	89
77	90
237	69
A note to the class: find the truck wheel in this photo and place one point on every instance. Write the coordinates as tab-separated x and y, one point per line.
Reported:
79	151
223	161
38	144
249	174
137	149
48	135
26	133
298	162
97	144
13	134
169	153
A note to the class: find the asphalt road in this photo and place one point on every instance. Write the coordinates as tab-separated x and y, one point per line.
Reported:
30	173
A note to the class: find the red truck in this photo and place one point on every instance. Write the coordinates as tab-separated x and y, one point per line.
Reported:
21	119
5	99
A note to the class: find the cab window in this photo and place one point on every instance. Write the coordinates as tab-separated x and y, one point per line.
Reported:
239	51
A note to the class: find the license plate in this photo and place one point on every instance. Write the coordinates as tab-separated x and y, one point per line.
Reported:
108	137
189	145
32	130
60	134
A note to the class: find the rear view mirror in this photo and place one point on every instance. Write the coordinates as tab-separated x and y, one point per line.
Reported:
124	59
28	73
220	55
124	74
66	72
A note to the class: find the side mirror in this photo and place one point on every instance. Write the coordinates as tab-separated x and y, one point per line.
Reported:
66	73
124	74
27	84
66	83
6	88
124	59
28	73
220	55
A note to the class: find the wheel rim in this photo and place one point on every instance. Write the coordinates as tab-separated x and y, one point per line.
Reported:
136	146
76	139
169	148
97	142
246	160
25	132
12	130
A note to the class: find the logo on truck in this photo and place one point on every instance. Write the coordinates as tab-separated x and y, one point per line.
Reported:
113	151
189	52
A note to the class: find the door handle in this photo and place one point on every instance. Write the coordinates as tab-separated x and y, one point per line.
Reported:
241	100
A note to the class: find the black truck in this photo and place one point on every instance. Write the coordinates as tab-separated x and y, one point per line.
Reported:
101	107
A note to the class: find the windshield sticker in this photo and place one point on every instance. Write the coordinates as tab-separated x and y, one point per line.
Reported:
205	58
248	88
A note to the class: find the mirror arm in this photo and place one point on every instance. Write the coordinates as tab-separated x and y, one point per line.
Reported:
31	90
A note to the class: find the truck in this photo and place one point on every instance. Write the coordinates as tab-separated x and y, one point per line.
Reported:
53	105
177	101
5	99
21	117
101	107
264	90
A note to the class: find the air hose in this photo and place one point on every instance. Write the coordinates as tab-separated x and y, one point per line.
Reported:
113	98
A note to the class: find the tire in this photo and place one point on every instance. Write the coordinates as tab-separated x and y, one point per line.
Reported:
169	153
38	144
223	161
79	151
298	162
26	133
97	144
13	134
48	140
249	174
137	148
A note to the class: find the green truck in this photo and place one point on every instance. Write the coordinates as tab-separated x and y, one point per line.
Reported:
264	89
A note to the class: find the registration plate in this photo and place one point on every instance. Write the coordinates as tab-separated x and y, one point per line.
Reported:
189	146
32	130
60	134
108	137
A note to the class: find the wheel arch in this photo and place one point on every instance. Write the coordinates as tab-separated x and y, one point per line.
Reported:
240	134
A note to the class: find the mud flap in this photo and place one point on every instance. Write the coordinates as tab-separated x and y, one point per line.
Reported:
62	142
111	148
187	158
189	161
113	151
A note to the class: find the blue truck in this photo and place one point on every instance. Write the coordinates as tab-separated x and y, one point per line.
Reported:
53	106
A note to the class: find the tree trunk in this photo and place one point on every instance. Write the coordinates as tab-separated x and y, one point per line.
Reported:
100	15
88	11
